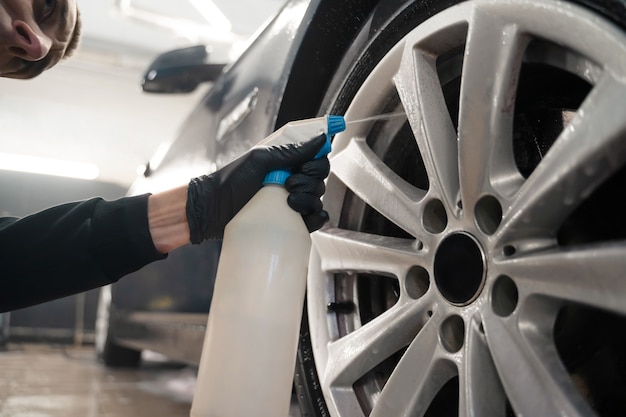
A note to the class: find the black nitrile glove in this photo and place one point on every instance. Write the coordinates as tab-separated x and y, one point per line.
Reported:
213	200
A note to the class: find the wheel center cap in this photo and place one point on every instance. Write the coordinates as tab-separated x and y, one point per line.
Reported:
459	268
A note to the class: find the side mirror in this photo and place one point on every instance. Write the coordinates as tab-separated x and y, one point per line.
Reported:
180	71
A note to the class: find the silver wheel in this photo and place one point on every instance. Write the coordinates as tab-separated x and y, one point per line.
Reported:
474	250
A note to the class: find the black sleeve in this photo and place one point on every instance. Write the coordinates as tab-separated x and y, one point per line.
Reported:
72	248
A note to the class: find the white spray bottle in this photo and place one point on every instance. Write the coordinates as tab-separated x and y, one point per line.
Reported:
249	352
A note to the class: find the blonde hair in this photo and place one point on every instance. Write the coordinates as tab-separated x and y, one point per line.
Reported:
72	45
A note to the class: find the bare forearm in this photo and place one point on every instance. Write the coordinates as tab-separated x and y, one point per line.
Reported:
167	219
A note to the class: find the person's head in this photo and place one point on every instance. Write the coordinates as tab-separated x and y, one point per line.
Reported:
36	34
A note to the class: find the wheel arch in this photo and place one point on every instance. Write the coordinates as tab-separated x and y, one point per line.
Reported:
330	36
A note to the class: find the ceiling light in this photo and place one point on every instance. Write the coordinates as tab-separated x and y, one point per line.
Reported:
47	166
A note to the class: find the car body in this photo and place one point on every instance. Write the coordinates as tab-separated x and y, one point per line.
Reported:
474	260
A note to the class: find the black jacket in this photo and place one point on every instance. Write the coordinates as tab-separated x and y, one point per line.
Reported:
72	248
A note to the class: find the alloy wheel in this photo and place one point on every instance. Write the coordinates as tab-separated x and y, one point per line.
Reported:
475	259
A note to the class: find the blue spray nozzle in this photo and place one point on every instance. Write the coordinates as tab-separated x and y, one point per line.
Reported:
334	125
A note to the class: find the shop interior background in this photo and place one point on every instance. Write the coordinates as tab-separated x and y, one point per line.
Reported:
89	111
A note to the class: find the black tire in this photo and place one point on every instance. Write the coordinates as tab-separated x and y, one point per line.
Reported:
600	394
115	356
107	351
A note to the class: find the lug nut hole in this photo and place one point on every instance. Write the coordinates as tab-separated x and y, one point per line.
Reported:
504	296
435	217
452	333
488	214
417	282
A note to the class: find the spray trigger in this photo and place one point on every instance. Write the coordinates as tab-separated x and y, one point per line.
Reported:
301	129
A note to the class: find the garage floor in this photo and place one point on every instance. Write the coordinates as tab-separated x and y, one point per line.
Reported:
39	380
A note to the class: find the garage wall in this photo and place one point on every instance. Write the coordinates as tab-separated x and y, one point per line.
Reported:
72	318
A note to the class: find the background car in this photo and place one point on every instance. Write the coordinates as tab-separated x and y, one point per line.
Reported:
474	262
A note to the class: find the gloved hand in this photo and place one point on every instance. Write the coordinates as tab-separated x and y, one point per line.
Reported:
213	200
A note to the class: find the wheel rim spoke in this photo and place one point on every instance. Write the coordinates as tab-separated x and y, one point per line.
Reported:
592	276
481	393
364	173
419	370
356	353
418	87
534	378
492	60
343	250
573	167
